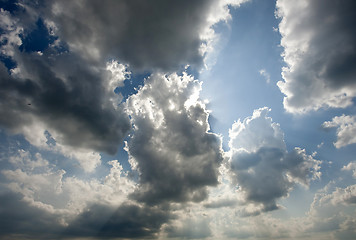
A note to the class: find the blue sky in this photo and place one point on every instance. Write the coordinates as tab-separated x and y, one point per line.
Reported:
229	119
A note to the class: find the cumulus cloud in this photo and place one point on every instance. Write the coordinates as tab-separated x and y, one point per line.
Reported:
43	94
44	91
147	35
176	156
59	66
330	212
319	48
350	167
261	166
69	205
46	186
346	129
54	96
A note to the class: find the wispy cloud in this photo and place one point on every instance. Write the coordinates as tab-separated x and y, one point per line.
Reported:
266	75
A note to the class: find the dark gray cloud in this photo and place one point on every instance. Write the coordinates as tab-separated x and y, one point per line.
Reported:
175	155
261	166
127	221
49	88
265	182
319	47
155	34
18	219
72	102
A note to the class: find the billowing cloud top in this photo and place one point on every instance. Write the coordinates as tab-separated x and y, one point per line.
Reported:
260	164
171	147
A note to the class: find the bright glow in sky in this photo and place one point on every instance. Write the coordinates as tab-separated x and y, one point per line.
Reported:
189	119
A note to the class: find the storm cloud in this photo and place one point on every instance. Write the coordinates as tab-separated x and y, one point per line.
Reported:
150	35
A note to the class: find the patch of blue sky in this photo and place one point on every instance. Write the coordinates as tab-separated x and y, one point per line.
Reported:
121	156
9	6
38	39
234	85
8	62
132	84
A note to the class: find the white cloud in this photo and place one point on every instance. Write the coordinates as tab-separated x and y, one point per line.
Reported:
10	34
176	156
256	131
332	213
346	129
350	167
119	74
319	48
44	187
261	167
39	135
266	75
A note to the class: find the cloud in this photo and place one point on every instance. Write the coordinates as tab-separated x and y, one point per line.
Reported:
46	186
10	33
346	129
157	35
70	205
330	212
54	97
46	92
345	196
176	156
221	203
127	221
266	75
52	76
320	52
19	218
350	167
261	166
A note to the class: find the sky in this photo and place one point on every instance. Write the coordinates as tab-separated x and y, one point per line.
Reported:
189	119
